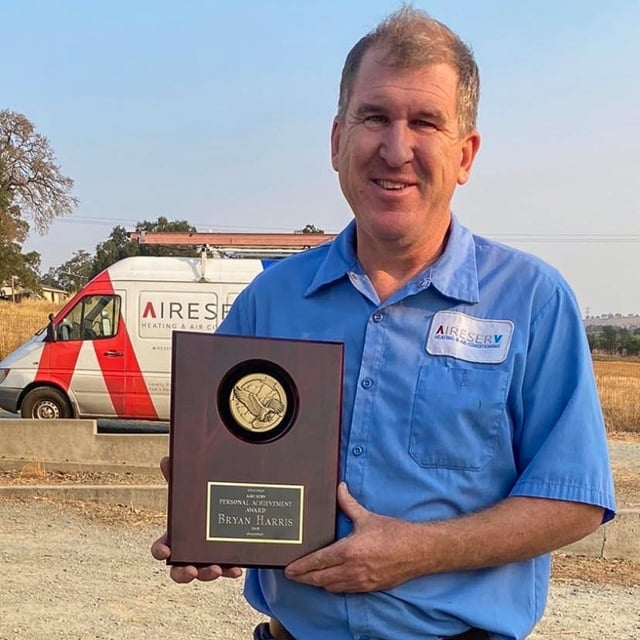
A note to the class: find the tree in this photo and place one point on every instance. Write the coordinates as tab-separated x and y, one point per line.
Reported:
30	179
116	247
609	339
73	274
14	263
162	224
309	228
119	246
83	266
31	186
614	340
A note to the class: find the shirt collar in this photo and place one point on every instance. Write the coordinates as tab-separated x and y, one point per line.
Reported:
454	274
339	261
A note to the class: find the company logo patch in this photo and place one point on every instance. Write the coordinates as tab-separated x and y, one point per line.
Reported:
467	338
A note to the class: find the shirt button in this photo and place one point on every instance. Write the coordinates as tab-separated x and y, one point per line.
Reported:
377	316
423	283
357	451
363	638
366	383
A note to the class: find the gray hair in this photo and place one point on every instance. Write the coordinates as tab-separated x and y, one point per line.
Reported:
412	39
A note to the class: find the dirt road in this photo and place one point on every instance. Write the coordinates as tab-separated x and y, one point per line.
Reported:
83	572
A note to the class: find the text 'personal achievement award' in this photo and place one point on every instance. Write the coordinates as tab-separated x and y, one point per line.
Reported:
254	440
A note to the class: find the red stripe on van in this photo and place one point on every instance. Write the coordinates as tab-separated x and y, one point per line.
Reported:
58	362
129	393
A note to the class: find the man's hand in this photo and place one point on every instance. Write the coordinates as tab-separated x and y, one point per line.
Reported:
382	552
161	551
373	557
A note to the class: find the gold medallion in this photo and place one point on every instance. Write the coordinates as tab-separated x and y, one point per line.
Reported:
258	402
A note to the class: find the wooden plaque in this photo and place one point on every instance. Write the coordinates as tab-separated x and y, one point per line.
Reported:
254	441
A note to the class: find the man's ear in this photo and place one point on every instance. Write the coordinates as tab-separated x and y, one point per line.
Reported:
335	143
468	154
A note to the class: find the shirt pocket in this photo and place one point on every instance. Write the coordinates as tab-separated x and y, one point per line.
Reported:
457	412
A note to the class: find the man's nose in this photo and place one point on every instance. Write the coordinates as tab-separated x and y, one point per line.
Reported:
396	147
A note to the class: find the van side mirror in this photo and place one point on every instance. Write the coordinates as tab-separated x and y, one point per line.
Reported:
52	331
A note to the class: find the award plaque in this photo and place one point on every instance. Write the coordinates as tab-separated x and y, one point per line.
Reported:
254	441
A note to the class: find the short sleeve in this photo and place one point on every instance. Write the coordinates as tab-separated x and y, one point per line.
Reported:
561	446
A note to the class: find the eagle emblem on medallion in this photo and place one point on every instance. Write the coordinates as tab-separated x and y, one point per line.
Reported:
258	402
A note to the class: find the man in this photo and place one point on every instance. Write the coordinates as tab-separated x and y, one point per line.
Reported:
473	442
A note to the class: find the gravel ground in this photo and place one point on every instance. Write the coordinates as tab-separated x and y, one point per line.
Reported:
76	571
80	571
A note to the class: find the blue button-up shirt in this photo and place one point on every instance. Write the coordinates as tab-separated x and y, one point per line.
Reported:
472	383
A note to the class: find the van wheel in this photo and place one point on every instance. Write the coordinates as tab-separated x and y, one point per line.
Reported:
45	403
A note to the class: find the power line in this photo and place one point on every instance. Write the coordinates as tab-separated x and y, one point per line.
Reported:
528	237
569	238
201	226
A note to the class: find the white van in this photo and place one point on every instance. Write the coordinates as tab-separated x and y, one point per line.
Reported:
107	352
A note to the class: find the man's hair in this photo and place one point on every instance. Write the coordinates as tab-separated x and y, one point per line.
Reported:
410	39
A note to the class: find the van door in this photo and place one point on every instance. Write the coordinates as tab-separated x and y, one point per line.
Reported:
91	354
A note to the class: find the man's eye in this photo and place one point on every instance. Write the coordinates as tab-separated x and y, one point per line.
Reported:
374	121
423	124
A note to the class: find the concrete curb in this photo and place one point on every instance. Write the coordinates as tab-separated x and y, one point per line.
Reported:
76	445
619	539
153	497
73	445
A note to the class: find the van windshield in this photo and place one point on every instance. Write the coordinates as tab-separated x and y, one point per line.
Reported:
92	318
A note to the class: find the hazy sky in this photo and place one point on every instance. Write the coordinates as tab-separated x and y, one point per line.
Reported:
219	113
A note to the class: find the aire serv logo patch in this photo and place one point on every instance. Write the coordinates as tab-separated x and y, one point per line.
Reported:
467	338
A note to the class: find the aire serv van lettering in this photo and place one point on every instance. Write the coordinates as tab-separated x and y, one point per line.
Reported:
162	313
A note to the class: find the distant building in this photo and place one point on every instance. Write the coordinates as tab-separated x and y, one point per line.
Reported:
18	294
14	293
56	296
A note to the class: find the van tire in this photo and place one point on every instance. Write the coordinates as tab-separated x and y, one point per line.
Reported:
45	403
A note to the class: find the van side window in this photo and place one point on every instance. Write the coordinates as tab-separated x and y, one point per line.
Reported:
92	318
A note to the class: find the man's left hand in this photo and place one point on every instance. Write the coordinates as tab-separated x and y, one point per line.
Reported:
372	558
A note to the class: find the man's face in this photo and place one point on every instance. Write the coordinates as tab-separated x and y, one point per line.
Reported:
398	151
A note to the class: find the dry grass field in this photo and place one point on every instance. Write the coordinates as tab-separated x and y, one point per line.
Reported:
618	380
18	322
619	386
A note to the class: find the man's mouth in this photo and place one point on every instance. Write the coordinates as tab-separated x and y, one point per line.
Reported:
390	185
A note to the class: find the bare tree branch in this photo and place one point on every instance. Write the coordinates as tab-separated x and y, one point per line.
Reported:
29	173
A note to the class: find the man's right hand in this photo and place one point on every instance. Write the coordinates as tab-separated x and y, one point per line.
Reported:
161	551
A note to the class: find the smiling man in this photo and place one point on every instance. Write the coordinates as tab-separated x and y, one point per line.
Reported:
473	443
400	150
